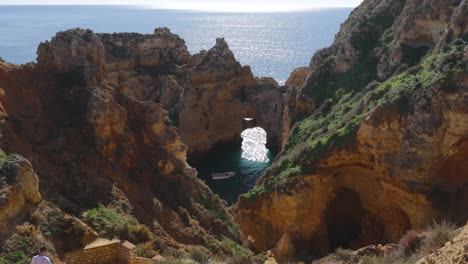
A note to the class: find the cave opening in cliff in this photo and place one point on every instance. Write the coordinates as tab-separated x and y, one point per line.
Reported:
343	219
248	159
450	195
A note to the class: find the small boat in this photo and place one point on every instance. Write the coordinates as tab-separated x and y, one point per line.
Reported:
223	175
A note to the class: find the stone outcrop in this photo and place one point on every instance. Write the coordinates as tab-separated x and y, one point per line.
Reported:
454	251
131	51
19	187
219	94
420	27
92	117
298	77
374	191
115	116
76	50
374	146
19	184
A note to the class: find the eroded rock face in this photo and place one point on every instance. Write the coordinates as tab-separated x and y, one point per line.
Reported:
207	95
420	27
298	76
102	113
19	187
219	94
397	177
358	167
92	115
75	50
130	51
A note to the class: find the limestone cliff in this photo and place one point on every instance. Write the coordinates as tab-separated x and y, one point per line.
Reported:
372	138
19	184
376	134
220	94
97	117
19	187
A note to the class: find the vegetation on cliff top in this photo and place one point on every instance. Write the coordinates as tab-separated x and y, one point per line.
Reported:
3	179
334	125
413	246
110	223
22	245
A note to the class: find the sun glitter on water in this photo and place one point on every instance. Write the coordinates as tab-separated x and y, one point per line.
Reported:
253	145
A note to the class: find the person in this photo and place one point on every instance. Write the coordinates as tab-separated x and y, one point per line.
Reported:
42	257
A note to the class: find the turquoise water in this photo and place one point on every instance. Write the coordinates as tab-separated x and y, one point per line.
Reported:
273	44
248	162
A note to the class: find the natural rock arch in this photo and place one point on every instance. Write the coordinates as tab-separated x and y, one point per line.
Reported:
214	104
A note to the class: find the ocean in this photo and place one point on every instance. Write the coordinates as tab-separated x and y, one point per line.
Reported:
273	44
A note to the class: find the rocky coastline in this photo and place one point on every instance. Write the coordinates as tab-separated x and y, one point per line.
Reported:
372	141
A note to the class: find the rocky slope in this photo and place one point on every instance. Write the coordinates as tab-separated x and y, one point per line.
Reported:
439	243
373	139
98	116
376	134
453	251
19	187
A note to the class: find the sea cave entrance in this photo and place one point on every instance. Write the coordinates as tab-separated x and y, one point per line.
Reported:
344	218
247	160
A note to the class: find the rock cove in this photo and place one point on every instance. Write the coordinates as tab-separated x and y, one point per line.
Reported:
371	138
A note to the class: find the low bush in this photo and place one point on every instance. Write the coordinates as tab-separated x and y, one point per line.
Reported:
234	248
22	245
200	255
371	260
173	253
340	254
172	260
145	250
438	235
409	243
245	260
411	247
111	223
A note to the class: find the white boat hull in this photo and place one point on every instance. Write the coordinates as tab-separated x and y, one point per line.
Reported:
223	176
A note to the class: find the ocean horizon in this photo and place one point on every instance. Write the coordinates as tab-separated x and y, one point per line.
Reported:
273	44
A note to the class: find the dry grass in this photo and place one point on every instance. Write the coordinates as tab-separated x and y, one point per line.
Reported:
438	235
411	247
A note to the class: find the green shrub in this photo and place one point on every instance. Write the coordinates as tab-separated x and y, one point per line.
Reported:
244	260
344	99
173	252
145	250
343	254
340	254
216	209
371	260
172	260
234	248
111	223
22	245
200	255
5	175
